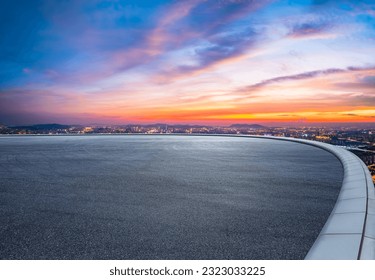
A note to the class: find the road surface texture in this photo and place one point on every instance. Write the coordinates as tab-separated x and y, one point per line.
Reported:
162	197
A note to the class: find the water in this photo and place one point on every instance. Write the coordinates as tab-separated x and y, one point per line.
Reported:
162	197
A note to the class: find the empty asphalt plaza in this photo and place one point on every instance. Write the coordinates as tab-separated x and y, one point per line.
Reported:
162	197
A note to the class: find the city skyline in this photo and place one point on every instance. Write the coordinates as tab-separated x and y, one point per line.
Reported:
198	62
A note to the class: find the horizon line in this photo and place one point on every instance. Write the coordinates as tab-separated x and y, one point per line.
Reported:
263	124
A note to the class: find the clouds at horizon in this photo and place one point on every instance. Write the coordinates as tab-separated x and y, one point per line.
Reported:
126	61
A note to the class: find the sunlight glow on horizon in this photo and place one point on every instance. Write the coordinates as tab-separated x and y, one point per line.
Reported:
194	61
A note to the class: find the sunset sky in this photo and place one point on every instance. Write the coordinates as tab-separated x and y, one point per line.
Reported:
193	61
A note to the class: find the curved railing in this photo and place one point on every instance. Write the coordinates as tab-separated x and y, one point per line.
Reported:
349	232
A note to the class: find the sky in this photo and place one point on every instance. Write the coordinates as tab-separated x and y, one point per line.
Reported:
193	62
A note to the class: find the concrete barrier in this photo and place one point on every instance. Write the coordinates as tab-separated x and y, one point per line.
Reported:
349	233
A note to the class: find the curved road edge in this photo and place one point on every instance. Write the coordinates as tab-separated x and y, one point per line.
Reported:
349	233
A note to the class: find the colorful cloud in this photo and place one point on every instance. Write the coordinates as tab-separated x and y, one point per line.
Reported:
194	61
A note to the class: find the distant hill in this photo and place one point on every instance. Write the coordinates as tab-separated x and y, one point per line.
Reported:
247	126
51	126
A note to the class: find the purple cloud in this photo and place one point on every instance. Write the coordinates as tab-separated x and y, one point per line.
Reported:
303	76
308	29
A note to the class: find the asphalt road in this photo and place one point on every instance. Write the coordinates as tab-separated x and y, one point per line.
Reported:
162	197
